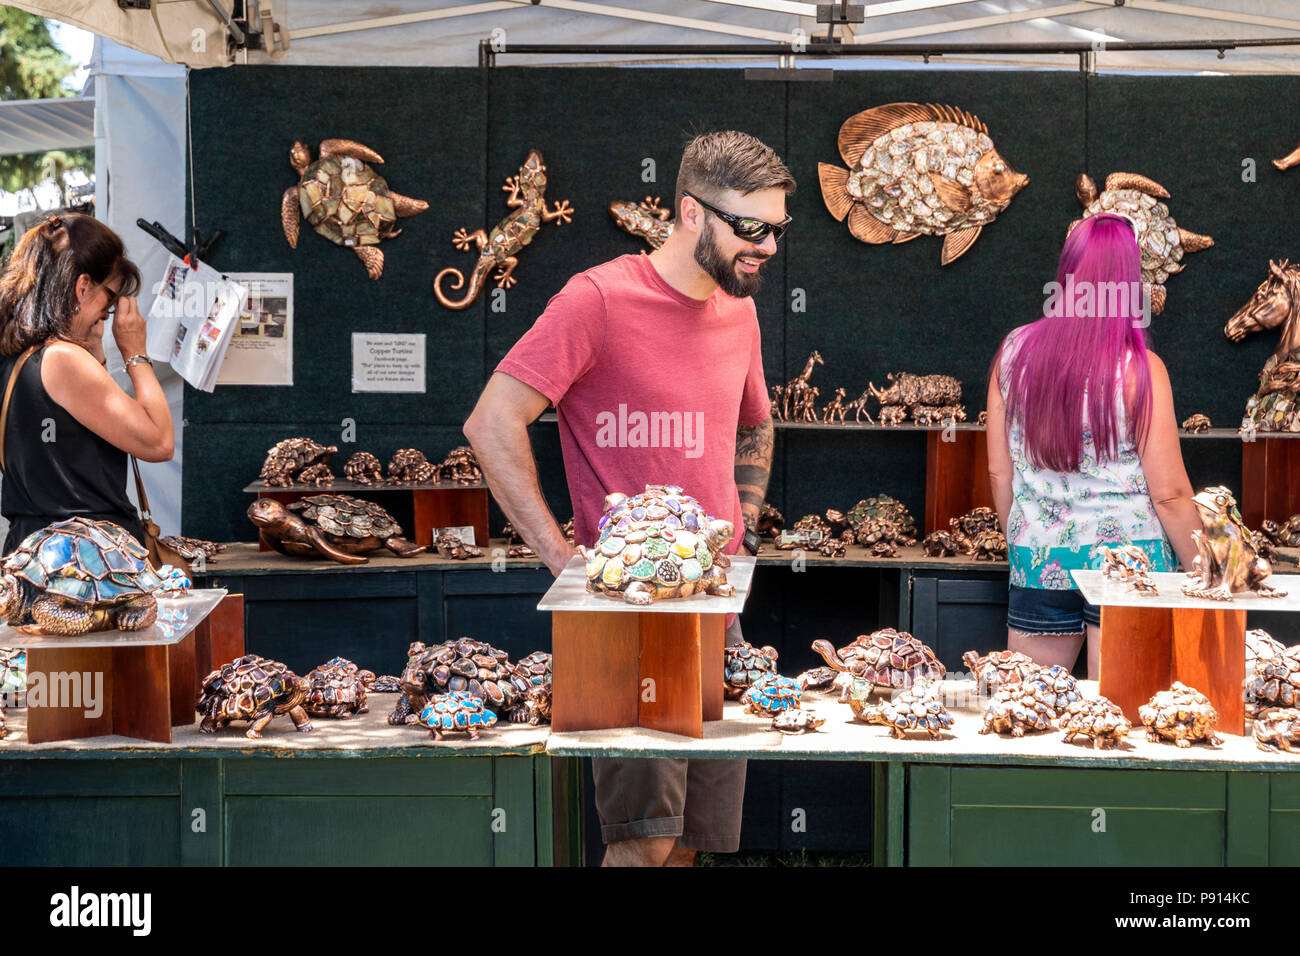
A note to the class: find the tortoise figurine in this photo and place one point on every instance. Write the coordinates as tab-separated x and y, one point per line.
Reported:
1161	241
338	527
409	466
460	466
457	711
252	688
345	200
1059	686
897	523
76	576
657	545
385	684
337	688
1261	651
1275	682
887	658
818	678
1181	714
532	677
917	708
287	458
990	545
834	547
191	548
318	475
771	694
1277	730
476	667
1196	424
796	721
1019	707
1130	564
884	549
998	669
1097	719
451	546
743	664
939	544
364	468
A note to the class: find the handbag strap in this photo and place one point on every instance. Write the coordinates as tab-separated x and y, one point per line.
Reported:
9	392
141	498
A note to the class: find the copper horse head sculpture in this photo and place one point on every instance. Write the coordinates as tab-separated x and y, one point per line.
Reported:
1275	303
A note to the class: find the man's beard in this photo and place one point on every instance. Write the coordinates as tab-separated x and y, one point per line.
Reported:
723	270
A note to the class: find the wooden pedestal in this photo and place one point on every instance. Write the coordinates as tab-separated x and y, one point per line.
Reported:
450	507
1144	650
655	670
956	476
1270	479
143	692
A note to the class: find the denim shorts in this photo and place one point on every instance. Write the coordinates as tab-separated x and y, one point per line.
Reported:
1042	611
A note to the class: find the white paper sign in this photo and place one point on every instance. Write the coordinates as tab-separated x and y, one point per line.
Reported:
261	343
191	321
387	362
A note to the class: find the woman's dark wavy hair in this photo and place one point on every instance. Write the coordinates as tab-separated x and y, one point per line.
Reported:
38	290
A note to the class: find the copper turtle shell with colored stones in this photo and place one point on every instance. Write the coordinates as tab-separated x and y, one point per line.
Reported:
410	466
337	688
772	694
1018	708
252	688
919	708
1277	729
743	664
886	658
467	665
998	669
1096	719
456	711
1262	650
1182	715
527	675
287	458
85	564
894	522
1058	684
1275	682
656	545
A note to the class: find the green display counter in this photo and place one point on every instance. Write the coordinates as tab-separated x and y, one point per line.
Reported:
353	792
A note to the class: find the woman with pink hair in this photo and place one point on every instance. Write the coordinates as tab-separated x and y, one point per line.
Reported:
1083	444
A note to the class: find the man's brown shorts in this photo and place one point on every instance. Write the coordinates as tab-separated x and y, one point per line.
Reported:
697	801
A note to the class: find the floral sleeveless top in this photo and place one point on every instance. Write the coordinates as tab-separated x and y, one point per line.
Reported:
1058	519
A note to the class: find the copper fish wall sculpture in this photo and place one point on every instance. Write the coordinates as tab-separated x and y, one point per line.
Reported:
918	170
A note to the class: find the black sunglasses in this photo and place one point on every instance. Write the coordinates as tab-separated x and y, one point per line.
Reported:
746	227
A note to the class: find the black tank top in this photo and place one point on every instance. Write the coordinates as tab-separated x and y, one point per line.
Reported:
56	468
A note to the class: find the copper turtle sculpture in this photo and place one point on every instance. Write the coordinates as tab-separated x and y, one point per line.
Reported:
656	545
743	664
1018	708
1182	715
461	665
1161	241
76	576
338	527
287	459
1096	719
338	688
998	669
1277	730
919	708
457	711
252	688
345	200
887	658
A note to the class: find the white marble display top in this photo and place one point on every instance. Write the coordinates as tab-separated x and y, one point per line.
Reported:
176	618
569	593
1105	591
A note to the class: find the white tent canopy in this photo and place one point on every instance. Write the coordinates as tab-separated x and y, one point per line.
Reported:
447	32
38	126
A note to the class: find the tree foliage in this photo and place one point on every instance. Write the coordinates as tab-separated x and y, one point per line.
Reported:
32	67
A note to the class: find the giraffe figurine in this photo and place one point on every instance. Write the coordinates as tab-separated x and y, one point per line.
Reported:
835	407
797	387
859	408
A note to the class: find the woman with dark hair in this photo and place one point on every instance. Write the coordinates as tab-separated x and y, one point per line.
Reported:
1083	444
69	427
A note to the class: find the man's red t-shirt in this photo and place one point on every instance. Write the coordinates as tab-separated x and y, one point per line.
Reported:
650	386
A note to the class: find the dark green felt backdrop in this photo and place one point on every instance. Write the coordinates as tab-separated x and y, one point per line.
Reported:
451	136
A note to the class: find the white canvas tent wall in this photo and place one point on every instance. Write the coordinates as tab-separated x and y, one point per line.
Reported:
140	160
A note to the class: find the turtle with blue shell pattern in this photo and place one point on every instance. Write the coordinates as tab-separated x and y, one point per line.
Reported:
78	575
457	711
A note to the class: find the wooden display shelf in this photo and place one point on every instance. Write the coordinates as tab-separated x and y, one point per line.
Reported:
146	682
434	504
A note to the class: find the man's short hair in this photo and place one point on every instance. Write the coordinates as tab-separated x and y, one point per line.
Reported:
713	162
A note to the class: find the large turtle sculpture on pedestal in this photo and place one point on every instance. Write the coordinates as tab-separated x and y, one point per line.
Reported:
345	200
78	575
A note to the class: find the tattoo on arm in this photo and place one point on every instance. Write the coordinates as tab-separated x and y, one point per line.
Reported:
753	467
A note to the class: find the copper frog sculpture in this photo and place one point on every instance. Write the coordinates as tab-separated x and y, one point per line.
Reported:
1227	562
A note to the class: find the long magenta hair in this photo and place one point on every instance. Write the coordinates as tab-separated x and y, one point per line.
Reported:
1065	360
